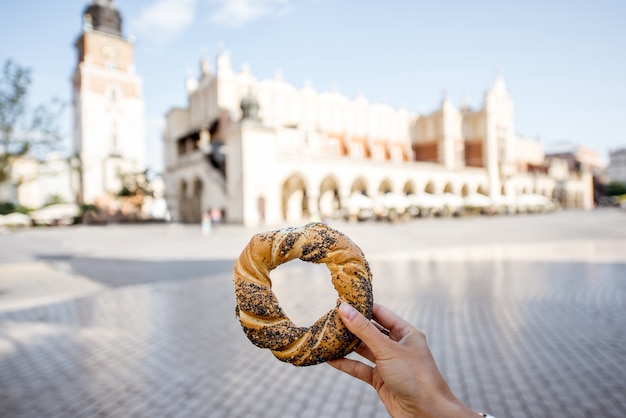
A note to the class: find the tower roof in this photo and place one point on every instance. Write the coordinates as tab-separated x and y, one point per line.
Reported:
104	17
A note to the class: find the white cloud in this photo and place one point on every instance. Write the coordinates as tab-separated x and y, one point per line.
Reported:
164	19
237	13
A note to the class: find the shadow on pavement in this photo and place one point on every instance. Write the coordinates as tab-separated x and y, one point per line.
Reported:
122	272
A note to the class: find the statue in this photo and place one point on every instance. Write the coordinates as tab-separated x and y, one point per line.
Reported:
250	108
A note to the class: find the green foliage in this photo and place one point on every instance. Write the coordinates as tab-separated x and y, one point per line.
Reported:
6	208
125	191
23	209
84	208
136	184
22	130
615	188
9	207
54	199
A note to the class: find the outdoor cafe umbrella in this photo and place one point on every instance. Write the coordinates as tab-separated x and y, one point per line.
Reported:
55	213
477	200
15	219
425	201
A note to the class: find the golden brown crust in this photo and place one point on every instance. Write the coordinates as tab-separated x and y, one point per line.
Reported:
263	320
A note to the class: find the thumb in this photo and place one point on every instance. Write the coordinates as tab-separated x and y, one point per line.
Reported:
360	326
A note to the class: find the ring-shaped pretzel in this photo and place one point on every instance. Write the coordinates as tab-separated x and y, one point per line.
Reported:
263	320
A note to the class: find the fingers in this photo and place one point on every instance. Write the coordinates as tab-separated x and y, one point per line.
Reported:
381	328
364	351
354	368
397	326
363	328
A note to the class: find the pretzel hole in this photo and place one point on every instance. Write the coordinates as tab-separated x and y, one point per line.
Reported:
304	290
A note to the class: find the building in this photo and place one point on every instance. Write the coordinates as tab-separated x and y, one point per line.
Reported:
43	182
35	183
578	158
582	163
109	118
292	154
616	170
108	132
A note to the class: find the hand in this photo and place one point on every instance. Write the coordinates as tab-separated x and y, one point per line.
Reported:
405	375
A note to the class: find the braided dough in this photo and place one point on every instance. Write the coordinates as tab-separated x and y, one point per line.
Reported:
263	320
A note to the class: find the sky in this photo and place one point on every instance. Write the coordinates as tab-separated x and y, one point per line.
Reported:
564	62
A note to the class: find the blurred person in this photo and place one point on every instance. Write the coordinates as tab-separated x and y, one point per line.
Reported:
405	374
206	223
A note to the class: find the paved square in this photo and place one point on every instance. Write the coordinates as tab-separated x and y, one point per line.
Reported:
525	316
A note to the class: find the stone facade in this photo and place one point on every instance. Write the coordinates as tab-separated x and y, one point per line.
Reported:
109	119
44	182
309	153
616	170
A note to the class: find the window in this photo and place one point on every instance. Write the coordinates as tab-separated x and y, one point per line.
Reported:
379	152
356	150
334	147
396	153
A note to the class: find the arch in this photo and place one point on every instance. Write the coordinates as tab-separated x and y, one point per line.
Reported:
197	186
482	190
359	185
294	197
448	188
261	208
430	187
580	200
385	186
464	190
182	189
182	201
560	193
329	201
408	188
329	183
195	201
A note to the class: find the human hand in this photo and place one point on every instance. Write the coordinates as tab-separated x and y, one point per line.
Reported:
405	375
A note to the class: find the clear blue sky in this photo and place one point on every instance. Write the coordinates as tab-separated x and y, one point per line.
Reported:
564	62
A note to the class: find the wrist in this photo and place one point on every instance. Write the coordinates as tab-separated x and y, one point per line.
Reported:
453	408
459	409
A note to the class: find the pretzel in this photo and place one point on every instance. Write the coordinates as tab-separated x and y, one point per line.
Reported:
263	320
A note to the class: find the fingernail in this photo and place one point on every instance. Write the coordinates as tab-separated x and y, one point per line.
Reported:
347	310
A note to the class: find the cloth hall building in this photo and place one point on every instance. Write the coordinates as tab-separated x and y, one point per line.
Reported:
265	151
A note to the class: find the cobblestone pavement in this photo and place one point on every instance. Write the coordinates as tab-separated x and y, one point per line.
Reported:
525	318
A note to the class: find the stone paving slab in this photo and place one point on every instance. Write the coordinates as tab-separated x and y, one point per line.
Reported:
514	337
552	346
30	284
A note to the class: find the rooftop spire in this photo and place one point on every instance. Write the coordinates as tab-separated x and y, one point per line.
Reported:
104	17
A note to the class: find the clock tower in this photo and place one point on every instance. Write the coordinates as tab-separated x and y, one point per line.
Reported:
109	118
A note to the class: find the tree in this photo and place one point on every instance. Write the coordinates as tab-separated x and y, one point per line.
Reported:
615	188
23	131
135	188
